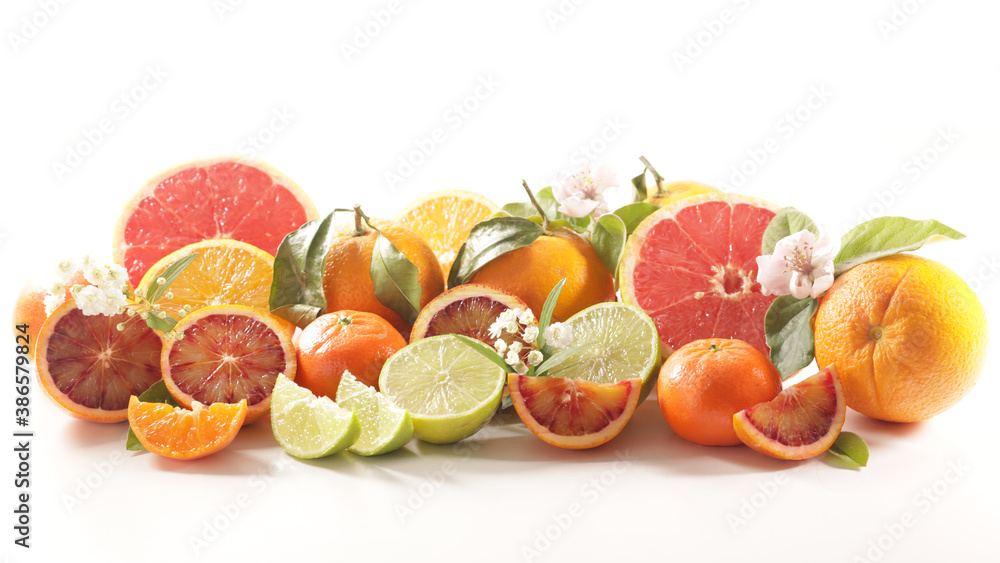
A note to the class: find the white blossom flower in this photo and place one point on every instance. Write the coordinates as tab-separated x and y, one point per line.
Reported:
582	193
535	357
92	301
512	358
526	317
531	334
512	327
116	299
558	335
94	273
53	301
507	316
65	270
515	347
116	276
496	329
58	288
500	345
801	265
521	368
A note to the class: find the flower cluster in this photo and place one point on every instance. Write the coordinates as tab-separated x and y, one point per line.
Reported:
802	265
583	193
518	349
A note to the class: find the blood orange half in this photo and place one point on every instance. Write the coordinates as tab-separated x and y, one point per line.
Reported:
573	413
692	267
468	309
235	198
803	421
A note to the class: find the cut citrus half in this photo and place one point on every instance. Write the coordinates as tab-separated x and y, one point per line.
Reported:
623	345
308	426
468	310
803	421
384	426
185	434
230	197
692	267
226	272
90	368
450	390
444	219
228	353
573	413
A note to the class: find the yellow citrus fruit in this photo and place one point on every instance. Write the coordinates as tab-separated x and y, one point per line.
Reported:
669	192
907	334
443	219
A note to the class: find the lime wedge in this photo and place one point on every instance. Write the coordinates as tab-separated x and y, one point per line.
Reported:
308	426
450	389
627	346
384	426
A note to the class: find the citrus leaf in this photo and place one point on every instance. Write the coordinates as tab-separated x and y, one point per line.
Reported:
156	290
396	279
546	316
297	285
608	240
787	221
487	352
850	450
547	201
157	393
520	209
163	325
491	239
633	214
555	360
639	187
789	334
886	236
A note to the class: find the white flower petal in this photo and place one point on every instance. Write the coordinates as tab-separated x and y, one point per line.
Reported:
773	275
821	283
800	286
575	207
535	357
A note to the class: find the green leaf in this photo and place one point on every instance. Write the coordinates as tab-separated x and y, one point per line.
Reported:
639	187
297	285
162	325
490	239
633	214
487	352
157	393
789	334
395	277
547	201
546	316
787	221
155	290
520	209
608	240
886	236
561	356
850	450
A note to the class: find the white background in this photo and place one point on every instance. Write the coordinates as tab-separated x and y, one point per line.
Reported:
606	75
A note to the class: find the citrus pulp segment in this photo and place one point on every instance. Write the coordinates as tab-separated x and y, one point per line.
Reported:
384	427
185	434
308	426
468	310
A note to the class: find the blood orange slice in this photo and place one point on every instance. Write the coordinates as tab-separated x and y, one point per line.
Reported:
235	198
573	413
803	421
692	267
228	353
90	368
467	309
185	434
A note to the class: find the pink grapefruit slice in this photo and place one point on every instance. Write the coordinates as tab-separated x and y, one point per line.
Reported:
691	266
234	198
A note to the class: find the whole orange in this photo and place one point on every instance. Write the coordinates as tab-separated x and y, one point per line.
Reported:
532	271
907	334
705	382
356	341
347	281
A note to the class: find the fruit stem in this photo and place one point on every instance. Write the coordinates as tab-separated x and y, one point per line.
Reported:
714	348
534	202
359	221
656	176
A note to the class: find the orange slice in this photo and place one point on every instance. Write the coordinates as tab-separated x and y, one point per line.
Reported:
185	434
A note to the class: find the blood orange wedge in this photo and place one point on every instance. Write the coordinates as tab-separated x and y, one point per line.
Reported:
573	413
803	421
235	198
185	434
468	310
90	368
692	267
228	353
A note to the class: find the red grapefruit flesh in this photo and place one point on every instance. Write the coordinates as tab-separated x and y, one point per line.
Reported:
233	198
573	413
692	267
803	421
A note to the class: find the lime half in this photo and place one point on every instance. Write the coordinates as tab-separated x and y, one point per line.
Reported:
450	390
626	346
308	426
384	426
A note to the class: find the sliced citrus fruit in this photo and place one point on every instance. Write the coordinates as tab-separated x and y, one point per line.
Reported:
384	426
573	413
450	390
185	434
235	198
308	426
803	421
226	272
468	310
228	353
624	345
90	368
692	267
444	219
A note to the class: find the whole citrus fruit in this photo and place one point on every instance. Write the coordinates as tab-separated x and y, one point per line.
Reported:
907	335
347	280
355	341
669	192
532	271
705	382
